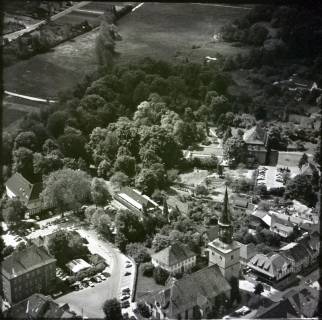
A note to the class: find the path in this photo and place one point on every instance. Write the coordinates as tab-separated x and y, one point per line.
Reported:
17	34
28	97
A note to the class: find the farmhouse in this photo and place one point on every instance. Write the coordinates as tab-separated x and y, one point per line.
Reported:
175	258
28	193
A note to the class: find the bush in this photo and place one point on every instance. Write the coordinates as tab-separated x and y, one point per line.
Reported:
138	252
160	275
147	270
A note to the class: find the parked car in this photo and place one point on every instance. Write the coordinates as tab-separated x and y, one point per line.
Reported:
128	266
125	297
127	273
125	304
91	284
126	291
98	279
106	274
102	276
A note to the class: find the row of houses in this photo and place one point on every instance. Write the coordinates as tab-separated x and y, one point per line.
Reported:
291	259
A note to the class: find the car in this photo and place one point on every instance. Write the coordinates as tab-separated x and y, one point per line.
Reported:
128	266
125	304
126	291
37	218
102	277
85	285
106	274
123	298
80	286
98	279
127	273
91	284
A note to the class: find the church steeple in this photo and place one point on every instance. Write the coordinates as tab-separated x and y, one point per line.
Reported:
225	227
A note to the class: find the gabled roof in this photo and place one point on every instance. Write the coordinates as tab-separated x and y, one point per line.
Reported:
279	310
255	135
297	253
20	262
268	264
191	290
38	306
135	198
23	188
173	254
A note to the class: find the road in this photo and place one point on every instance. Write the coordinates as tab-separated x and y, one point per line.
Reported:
9	93
17	34
92	299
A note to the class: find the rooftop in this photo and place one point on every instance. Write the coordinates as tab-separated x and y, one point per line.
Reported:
20	262
255	135
193	289
77	265
23	188
173	254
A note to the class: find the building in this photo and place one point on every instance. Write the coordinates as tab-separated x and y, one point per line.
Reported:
241	205
175	258
77	265
247	251
224	251
283	228
26	272
28	193
279	310
270	268
191	297
297	254
312	244
134	201
256	140
38	306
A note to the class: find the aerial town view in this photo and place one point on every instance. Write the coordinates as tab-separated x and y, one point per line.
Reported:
161	160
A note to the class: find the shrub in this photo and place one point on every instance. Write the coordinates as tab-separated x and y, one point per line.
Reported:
147	270
160	275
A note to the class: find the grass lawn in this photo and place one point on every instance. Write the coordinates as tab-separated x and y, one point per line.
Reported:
145	284
195	177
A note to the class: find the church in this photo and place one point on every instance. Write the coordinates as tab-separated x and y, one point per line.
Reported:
224	251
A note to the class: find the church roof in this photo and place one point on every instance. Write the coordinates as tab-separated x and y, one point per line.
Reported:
225	217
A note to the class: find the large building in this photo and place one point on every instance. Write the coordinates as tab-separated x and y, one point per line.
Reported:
28	193
27	272
224	251
192	297
175	258
134	201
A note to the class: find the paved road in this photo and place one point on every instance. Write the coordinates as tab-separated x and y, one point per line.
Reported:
28	97
17	34
92	299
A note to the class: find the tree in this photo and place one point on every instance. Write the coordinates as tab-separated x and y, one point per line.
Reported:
43	165
119	180
13	211
104	169
125	164
49	146
259	288
144	310
27	140
235	150
23	162
146	181
56	123
219	170
66	189
160	275
72	145
138	252
303	160
234	292
300	188
276	138
201	190
112	309
102	223
147	269
57	246
99	192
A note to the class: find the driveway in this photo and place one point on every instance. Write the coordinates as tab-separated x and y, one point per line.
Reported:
89	301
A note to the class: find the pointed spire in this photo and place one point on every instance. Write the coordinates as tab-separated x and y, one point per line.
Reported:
225	218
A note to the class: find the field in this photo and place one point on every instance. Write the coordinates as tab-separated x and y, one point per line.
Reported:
163	31
168	31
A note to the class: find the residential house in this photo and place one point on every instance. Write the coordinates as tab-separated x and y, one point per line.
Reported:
297	254
279	310
312	244
27	192
241	205
192	297
304	212
283	228
28	271
259	218
271	267
135	201
256	140
175	258
39	306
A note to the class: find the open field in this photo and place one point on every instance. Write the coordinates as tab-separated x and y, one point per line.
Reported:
168	31
157	30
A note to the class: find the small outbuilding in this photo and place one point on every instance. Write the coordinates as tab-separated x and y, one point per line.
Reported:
77	265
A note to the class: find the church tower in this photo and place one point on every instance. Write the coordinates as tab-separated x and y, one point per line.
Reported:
224	251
